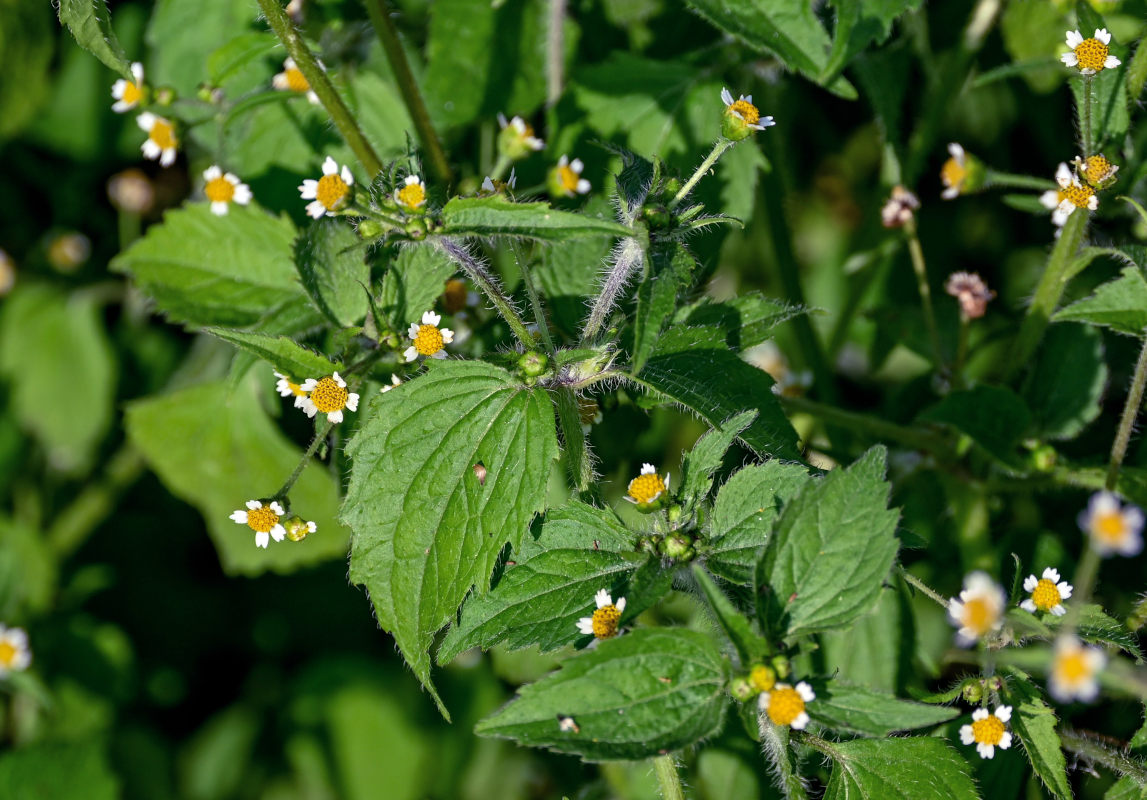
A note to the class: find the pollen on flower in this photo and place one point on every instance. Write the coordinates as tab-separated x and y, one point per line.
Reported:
1079	195
988	731
647	486
605	622
1047	593
746	111
1097	169
262	519
332	191
1091	54
428	340
785	704
329	396
219	190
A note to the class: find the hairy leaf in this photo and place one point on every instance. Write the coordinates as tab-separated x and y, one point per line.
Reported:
858	25
668	271
284	354
332	265
497	216
1034	723
749	644
855	709
747	320
90	22
413	283
994	417
1120	305
706	456
898	769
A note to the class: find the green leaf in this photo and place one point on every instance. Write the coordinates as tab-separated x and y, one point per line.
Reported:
51	771
723	775
750	645
332	264
497	216
855	709
1109	116
181	38
284	354
1126	788
744	513
706	456
694	367
994	417
569	274
879	649
233	57
859	24
668	271
1067	381
202	269
1097	627
1034	723
788	29
830	550
644	693
1120	305
425	529
550	584
60	369
915	768
90	22
413	283
1032	34
217	449
747	320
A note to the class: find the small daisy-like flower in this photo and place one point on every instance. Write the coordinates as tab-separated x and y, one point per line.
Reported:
15	656
1047	593
128	94
972	293
988	731
979	609
299	528
1090	55
330	193
162	142
286	387
412	195
264	520
223	189
603	624
330	396
565	179
1071	195
69	251
956	172
900	208
648	486
1113	529
427	339
291	79
1074	668
741	117
394	381
762	678
785	704
589	413
516	140
1096	169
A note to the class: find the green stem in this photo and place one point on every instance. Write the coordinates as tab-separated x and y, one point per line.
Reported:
320	437
500	167
921	270
485	281
1087	143
321	85
993	179
775	743
91	507
1047	293
1091	749
578	458
718	150
961	350
535	298
922	587
667	778
411	96
1127	421
874	427
555	50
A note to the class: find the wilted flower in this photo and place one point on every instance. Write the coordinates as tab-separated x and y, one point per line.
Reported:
972	293
1096	170
69	251
131	191
900	208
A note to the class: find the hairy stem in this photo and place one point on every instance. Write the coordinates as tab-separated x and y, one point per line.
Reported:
91	507
320	437
477	272
388	36
628	258
577	451
993	179
1087	143
718	150
1089	747
555	50
1127	421
535	298
775	742
667	778
321	85
922	587
921	270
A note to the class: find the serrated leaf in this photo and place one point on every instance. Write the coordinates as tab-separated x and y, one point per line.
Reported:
855	709
744	513
90	22
426	529
550	584
182	36
1034	723
668	271
683	368
284	354
859	24
1067	381
830	551
706	456
413	284
1120	305
915	768
993	416
498	216
641	694
749	644
215	449
203	269
332	264
747	320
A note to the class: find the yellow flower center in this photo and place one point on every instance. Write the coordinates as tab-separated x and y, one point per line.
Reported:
1091	54
428	341
412	195
746	111
978	616
605	621
1096	168
1071	667
953	173
132	94
328	396
296	389
1046	595
454	296
8	653
219	190
1108	527
646	488
163	134
332	192
296	81
763	679
262	519
785	705
568	178
1078	195
988	730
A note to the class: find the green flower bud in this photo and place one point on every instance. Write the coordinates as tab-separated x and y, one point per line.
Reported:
533	364
973	692
741	689
370	229
165	96
516	140
298	528
677	545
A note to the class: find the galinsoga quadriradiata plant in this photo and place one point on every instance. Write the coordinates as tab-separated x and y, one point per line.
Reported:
420	319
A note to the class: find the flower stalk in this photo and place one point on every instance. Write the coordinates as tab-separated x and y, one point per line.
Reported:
667	778
1127	420
628	258
718	150
921	269
485	280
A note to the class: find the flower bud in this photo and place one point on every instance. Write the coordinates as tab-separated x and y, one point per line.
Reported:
741	689
972	692
678	546
298	528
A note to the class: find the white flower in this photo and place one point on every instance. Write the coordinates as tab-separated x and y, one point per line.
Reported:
988	731
743	109
264	520
785	704
128	94
428	339
954	171
1073	671
1090	55
223	189
979	609
1047	593
286	387
1071	195
162	142
516	139
565	178
1112	529
412	195
330	396
647	486
331	192
394	381
604	622
291	79
15	656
